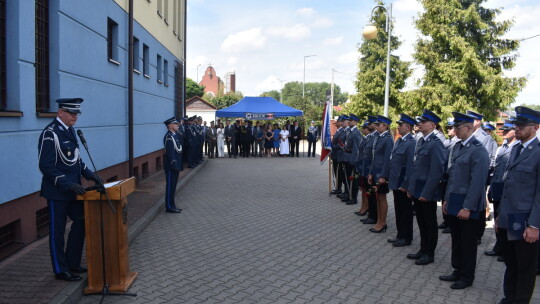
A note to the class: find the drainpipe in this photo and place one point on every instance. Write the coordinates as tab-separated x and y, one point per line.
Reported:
130	90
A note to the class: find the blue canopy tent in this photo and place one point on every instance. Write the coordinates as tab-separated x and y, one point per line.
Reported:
258	108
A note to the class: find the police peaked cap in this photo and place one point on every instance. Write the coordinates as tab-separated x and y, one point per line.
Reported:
354	117
171	120
404	118
460	118
508	125
427	115
71	105
488	126
371	118
526	115
476	116
383	119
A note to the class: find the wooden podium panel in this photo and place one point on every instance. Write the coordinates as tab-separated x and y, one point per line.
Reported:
115	231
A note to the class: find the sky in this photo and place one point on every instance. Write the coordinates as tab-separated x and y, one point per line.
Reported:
266	42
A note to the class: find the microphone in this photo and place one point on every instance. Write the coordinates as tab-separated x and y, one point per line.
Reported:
83	141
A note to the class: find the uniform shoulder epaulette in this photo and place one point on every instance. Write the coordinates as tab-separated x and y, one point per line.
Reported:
435	138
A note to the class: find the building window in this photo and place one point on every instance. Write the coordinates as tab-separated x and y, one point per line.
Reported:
3	86
159	8
136	65
42	56
112	40
159	69
166	72
146	58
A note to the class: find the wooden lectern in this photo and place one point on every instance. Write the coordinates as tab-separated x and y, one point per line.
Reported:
115	231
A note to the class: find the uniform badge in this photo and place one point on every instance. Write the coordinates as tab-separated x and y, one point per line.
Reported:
69	153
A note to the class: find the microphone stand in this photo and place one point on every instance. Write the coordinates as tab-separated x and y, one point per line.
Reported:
101	189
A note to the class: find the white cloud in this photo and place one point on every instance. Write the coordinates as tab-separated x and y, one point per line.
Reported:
247	40
295	32
333	41
407	5
349	58
322	22
306	12
232	60
269	83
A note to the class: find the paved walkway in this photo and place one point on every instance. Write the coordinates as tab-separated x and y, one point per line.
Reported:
266	231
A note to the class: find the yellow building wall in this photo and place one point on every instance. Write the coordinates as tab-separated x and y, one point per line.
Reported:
167	26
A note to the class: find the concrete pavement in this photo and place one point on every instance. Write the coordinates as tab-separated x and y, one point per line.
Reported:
264	230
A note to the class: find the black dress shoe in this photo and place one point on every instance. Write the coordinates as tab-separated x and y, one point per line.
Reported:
360	213
337	191
504	301
392	241
383	229
446	230
79	270
175	210
414	256
351	202
424	260
402	243
369	221
442	225
492	253
500	259
345	198
67	276
453	277
460	285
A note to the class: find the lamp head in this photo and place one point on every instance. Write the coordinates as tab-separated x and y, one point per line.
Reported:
370	32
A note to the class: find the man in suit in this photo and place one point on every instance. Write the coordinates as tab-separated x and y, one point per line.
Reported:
62	168
367	158
229	138
312	138
352	143
398	171
295	137
333	155
423	187
497	170
519	213
211	139
465	200
172	163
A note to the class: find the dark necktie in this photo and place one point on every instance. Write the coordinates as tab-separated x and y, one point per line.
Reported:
518	152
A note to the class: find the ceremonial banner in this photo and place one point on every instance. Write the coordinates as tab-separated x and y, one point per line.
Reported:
326	145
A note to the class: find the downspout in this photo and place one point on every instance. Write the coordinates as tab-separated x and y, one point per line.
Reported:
130	90
185	62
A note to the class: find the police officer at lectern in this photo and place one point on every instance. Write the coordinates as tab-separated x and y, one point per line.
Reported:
62	167
172	163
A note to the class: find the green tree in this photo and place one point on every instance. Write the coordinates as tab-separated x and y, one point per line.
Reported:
465	57
535	107
315	92
225	100
274	94
193	89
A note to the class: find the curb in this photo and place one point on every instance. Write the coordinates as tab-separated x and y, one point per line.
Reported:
73	292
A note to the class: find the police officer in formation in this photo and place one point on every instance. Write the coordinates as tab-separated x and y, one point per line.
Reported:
465	199
62	168
172	163
333	155
518	219
350	155
312	138
400	167
342	172
367	157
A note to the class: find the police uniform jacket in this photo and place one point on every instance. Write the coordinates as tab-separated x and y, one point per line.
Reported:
335	144
428	168
499	167
341	141
173	152
467	175
360	157
60	162
190	138
351	145
401	162
367	153
381	151
521	193
181	133
313	134
487	141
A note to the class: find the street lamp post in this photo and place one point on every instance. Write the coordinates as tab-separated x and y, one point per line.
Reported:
281	90
197	80
304	82
370	32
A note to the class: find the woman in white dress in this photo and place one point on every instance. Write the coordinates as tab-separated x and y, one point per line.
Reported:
284	142
220	140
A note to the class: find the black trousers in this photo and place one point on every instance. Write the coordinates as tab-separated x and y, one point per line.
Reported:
229	144
521	259
464	246
336	168
69	257
295	145
205	147
245	149
497	247
310	145
355	183
426	217
341	178
192	157
403	207
171	178
372	201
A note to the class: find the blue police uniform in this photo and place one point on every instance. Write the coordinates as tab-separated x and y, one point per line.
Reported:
172	165
190	140
467	174
381	151
333	156
62	167
367	157
312	138
521	201
428	169
351	151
